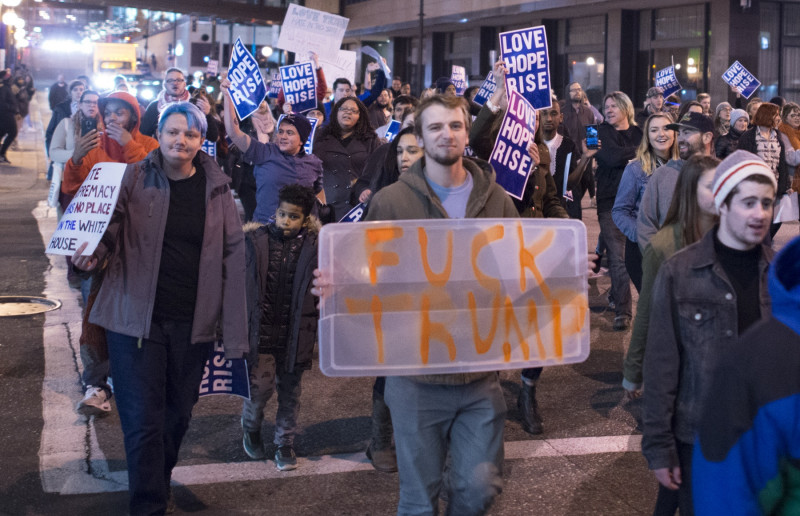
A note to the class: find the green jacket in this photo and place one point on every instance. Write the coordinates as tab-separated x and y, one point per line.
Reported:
412	198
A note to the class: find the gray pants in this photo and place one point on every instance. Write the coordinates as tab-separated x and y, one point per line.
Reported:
620	281
265	377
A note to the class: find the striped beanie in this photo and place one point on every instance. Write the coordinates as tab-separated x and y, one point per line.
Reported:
734	169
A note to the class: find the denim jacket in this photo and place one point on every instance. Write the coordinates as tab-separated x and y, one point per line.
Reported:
693	322
630	193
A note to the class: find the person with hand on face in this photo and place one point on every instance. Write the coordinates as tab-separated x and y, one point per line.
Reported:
711	293
278	164
175	91
729	142
695	136
175	278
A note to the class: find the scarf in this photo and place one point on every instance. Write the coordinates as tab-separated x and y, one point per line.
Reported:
165	98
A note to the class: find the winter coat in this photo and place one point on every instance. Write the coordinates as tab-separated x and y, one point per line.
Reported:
727	143
132	152
342	167
656	200
302	312
411	197
629	196
133	242
747	460
574	123
540	198
61	111
618	148
149	123
748	142
696	325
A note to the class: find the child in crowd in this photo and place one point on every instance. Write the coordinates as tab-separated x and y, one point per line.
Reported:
282	318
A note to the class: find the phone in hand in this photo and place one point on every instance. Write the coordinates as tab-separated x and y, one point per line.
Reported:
88	125
591	136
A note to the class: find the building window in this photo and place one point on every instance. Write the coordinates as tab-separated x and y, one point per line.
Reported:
688	21
586	31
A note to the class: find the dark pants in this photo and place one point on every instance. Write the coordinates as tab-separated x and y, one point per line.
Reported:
532	373
633	263
668	500
156	383
620	281
8	128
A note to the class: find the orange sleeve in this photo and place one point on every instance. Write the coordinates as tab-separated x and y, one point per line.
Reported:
73	175
138	148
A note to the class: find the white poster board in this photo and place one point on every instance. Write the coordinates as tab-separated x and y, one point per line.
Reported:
305	30
454	295
87	216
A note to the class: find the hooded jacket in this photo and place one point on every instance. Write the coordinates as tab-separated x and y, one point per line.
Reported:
411	197
133	244
748	458
109	150
655	201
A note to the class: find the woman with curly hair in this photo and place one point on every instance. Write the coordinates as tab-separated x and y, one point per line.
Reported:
344	146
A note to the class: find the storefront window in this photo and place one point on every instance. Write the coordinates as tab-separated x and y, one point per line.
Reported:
689	68
680	22
588	69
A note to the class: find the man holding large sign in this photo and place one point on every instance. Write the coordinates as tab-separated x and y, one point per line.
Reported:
525	54
247	87
469	405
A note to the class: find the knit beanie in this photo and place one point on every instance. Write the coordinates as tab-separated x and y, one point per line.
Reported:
736	114
721	106
442	83
300	123
734	169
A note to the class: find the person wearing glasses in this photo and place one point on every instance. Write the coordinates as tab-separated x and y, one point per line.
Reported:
175	91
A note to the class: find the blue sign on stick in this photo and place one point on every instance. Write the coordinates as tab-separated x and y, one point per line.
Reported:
525	54
247	85
488	88
510	157
459	78
299	86
275	86
223	376
740	78
667	81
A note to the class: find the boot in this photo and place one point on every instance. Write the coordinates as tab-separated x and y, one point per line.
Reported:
380	450
529	410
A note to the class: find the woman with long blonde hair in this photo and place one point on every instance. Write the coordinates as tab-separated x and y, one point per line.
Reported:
658	146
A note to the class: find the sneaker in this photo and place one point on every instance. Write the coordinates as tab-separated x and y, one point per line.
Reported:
253	446
285	459
622	322
593	202
384	460
4	160
611	304
94	403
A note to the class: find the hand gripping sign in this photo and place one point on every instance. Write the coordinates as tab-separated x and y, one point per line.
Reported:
452	296
737	76
299	83
510	158
87	216
247	85
221	376
305	29
525	54
667	81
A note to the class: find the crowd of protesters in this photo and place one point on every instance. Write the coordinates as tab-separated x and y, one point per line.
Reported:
684	194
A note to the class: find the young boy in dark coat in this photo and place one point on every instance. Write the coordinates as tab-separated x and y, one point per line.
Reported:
282	317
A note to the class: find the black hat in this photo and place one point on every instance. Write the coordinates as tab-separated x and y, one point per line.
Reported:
300	123
694	121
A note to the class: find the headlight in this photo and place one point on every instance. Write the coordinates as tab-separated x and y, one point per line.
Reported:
104	82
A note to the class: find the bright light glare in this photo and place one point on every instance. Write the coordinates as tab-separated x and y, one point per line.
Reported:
179	49
20	23
147	94
103	81
66	46
590	61
266	51
11	3
10	17
690	61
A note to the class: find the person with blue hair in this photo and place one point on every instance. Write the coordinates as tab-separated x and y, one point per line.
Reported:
175	274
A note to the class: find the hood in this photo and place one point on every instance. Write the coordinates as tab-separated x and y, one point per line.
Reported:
312	226
128	99
784	285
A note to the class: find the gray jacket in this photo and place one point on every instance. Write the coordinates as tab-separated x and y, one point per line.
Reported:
656	200
695	325
133	243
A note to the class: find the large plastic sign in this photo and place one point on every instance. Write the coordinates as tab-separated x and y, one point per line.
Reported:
299	83
528	65
510	158
452	295
87	216
305	30
668	81
486	90
458	76
247	87
223	376
737	76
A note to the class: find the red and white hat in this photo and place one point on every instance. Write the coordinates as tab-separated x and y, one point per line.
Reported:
734	169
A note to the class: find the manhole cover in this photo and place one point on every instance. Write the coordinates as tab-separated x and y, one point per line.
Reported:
26	305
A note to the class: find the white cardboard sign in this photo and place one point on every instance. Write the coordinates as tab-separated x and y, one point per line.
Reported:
305	30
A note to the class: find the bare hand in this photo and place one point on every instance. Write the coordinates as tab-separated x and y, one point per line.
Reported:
84	263
314	59
373	66
287	108
84	144
224	83
203	105
365	195
118	134
589	153
499	72
669	477
533	152
591	262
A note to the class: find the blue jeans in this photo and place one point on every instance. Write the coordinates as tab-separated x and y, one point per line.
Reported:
156	383
430	419
620	281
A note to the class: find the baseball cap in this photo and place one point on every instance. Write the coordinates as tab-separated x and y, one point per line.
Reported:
655	91
695	121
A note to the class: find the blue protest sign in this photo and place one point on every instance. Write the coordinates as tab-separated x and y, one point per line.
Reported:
247	85
391	132
355	214
299	86
222	376
525	54
209	148
741	79
275	86
667	81
309	145
510	157
487	90
459	78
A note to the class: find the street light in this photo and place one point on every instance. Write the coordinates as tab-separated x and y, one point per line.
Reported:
10	17
11	3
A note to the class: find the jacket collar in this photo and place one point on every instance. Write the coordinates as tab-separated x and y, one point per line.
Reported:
706	255
214	176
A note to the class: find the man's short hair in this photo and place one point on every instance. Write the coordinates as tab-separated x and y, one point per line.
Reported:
75	84
195	118
173	69
703	96
298	195
341	80
397	78
406	99
446	101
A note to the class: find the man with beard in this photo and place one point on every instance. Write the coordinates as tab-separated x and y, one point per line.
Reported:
175	91
695	136
463	413
576	116
397	84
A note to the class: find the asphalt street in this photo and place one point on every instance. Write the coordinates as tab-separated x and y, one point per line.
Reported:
53	461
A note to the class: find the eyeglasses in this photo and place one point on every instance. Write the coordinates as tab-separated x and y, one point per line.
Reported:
575	90
348	111
173	81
